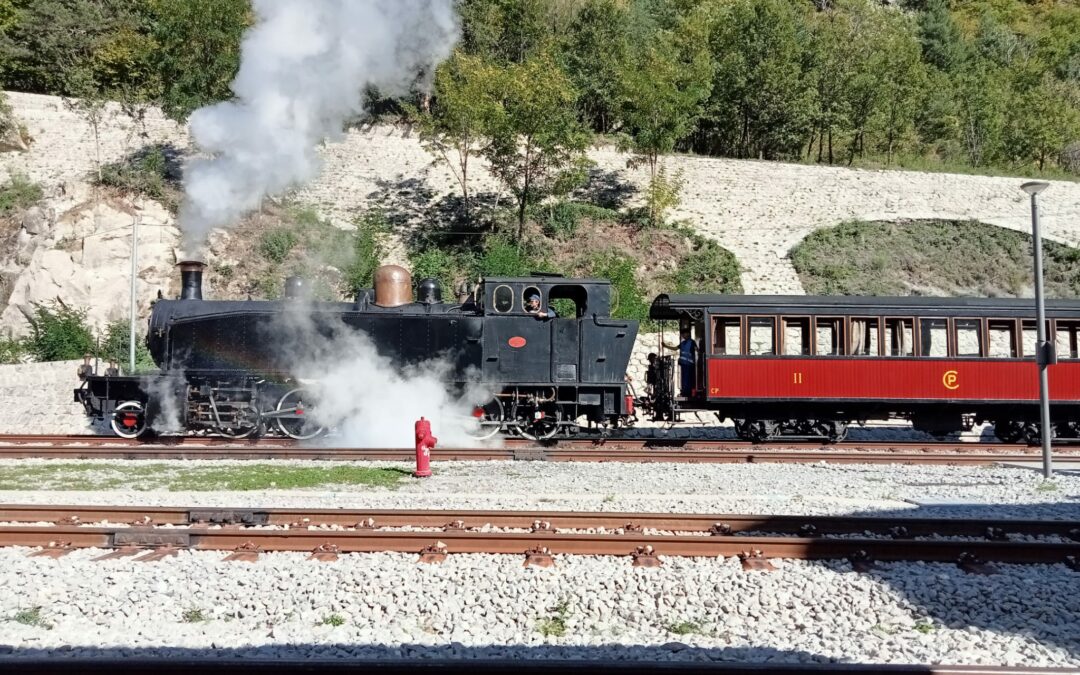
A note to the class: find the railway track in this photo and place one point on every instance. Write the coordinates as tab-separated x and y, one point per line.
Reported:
612	449
152	534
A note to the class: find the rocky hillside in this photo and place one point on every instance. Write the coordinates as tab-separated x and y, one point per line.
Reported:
75	244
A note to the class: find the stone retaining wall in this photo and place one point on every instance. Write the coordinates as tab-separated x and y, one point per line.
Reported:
37	398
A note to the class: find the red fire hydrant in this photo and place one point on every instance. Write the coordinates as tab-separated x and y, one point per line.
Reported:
424	443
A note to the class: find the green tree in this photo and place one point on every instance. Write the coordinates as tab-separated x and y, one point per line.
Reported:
457	125
199	43
940	37
662	89
58	333
1042	119
982	96
761	102
507	31
595	52
115	346
833	55
537	145
47	41
898	75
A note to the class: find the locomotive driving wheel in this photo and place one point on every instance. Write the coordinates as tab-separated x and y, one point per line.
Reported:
295	413
485	420
129	419
541	425
246	421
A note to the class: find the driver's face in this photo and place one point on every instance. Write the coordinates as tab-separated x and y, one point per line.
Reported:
533	305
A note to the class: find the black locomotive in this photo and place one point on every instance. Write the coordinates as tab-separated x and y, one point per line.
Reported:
227	367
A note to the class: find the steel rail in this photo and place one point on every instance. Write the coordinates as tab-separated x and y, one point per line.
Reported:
613	440
555	520
613	453
521	543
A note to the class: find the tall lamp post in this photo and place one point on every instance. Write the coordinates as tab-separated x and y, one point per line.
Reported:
134	295
1044	351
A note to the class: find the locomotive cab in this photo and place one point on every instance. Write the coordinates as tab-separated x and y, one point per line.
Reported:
552	341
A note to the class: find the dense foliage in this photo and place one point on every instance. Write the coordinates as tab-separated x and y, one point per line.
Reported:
924	258
976	84
59	333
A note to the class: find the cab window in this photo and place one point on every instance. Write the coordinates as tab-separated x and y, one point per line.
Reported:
503	300
531	293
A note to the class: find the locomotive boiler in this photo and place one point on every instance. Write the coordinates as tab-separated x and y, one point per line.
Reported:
228	367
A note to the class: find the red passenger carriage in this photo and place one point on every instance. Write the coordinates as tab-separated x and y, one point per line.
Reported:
809	366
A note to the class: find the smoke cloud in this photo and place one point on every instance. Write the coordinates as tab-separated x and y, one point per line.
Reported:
304	67
368	400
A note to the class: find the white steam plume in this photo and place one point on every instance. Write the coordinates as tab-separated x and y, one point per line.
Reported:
304	67
368	399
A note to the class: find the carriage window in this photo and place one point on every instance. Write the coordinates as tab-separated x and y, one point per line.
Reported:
762	335
726	335
796	336
969	337
934	337
504	299
864	337
1068	334
830	336
1031	337
1002	334
899	337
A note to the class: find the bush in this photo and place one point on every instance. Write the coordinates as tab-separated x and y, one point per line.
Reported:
504	258
561	219
151	172
115	347
708	268
275	245
628	301
58	333
440	263
939	258
1070	157
18	193
12	350
366	251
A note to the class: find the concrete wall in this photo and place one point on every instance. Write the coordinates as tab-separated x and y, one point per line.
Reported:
36	398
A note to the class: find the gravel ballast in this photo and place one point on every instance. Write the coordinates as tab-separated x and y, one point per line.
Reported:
810	489
389	606
489	606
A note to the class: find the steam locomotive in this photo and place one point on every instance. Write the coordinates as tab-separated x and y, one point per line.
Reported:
778	366
228	367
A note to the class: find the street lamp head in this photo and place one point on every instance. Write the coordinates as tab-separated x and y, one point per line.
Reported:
1034	187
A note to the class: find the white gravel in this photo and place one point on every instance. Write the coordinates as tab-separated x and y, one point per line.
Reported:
481	605
490	606
818	489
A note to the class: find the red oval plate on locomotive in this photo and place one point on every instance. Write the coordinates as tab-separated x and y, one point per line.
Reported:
516	342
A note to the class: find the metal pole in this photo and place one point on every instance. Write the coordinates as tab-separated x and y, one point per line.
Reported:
134	279
1044	352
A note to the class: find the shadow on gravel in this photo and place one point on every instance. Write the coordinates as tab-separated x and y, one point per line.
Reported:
1038	602
385	660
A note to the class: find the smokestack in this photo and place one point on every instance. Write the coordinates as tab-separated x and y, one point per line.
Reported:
191	279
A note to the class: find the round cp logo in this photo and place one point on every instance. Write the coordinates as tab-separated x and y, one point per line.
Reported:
951	380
